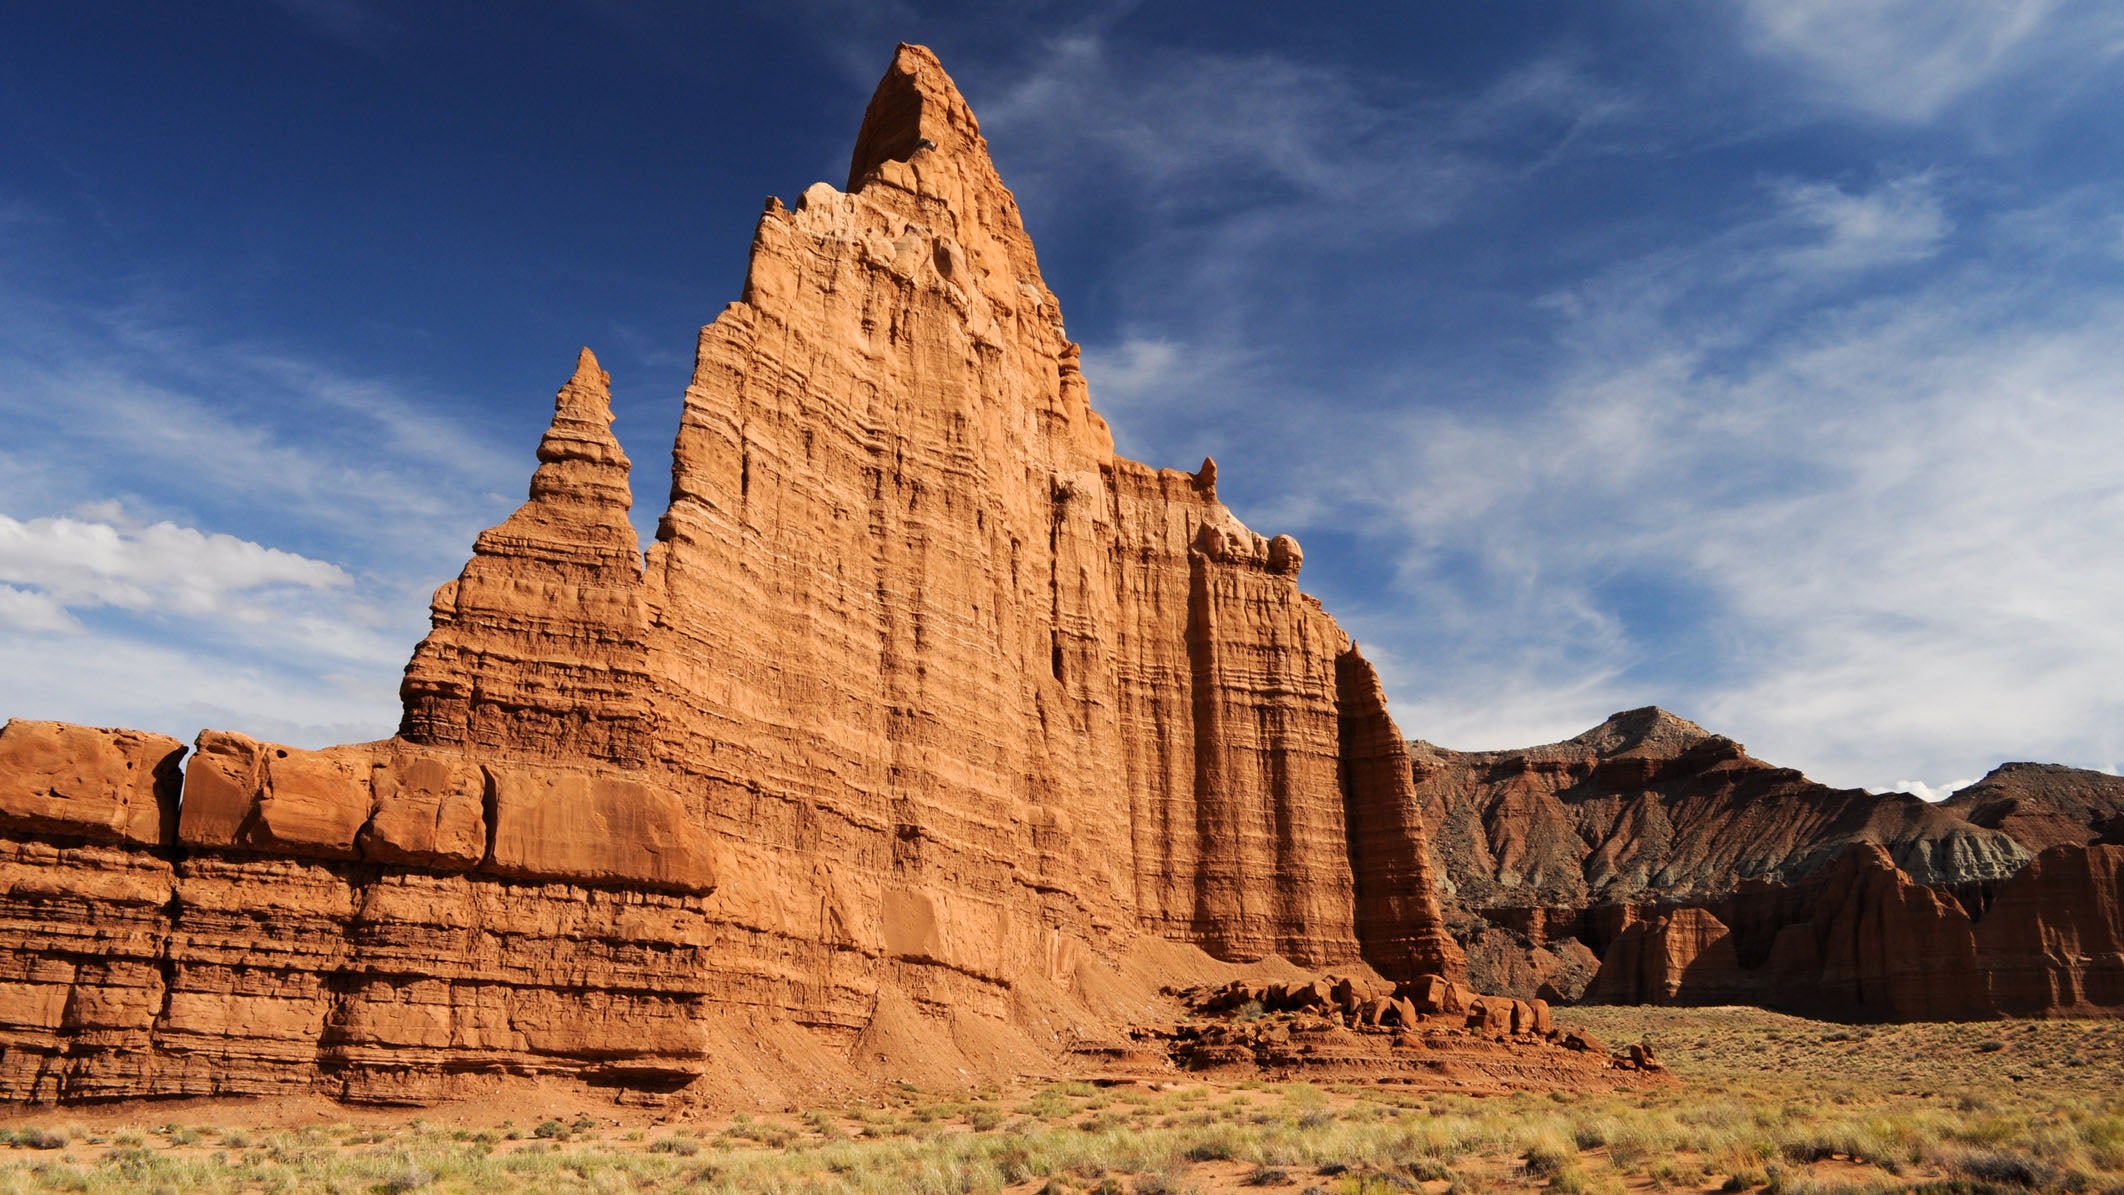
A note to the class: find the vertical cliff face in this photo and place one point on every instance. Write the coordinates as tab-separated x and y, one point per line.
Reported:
1397	896
910	612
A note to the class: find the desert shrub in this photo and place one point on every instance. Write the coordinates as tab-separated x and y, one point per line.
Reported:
406	1176
1428	1170
1548	1155
133	1162
1998	1169
38	1137
684	1147
550	1130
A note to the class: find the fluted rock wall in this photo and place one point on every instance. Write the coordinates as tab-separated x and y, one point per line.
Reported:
910	612
923	704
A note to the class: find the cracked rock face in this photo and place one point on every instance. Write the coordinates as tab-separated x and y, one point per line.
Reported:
922	719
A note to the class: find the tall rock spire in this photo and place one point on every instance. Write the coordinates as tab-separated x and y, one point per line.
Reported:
537	648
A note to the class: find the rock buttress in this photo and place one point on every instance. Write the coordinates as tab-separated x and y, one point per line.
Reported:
1398	917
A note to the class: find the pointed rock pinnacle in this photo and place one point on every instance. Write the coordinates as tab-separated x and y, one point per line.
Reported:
916	108
579	456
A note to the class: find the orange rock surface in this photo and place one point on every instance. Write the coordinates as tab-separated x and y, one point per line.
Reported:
929	738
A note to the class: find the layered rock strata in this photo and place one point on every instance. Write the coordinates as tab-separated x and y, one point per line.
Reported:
921	715
336	920
1862	939
537	650
2042	805
1651	806
1650	861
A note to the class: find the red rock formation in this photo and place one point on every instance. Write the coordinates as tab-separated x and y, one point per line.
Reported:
108	785
1428	1035
1647	805
1644	808
1702	876
1674	953
1862	939
1398	915
2052	942
910	612
923	715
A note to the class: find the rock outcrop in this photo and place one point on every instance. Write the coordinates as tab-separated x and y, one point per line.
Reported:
1647	807
923	713
1428	1033
538	651
1650	861
1862	939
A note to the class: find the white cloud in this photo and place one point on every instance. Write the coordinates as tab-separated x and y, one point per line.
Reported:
1887	536
29	610
1909	60
146	570
177	686
1190	128
1933	793
161	567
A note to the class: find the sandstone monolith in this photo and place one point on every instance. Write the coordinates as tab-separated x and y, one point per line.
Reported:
925	740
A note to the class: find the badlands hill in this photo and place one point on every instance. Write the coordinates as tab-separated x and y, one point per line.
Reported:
929	741
1649	860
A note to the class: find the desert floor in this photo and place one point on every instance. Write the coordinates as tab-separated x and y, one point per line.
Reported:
1763	1101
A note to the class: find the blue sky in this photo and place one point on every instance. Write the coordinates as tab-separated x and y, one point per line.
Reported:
1758	360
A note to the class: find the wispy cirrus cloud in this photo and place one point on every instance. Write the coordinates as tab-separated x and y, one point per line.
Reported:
1798	470
1910	60
1897	223
1875	541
